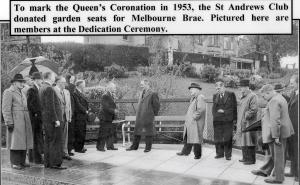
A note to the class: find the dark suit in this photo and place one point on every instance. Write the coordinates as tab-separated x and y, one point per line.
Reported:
34	108
107	115
293	141
80	116
223	122
51	112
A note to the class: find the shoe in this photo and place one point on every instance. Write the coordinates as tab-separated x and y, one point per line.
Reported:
289	175
273	181
147	150
259	173
218	156
242	160
67	158
228	158
101	150
71	154
248	162
181	154
81	151
59	167
17	167
25	165
112	148
129	149
197	157
297	179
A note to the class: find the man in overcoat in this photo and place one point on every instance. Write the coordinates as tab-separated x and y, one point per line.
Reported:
276	128
148	107
107	115
52	118
247	114
293	141
16	117
65	102
80	116
194	123
35	112
224	113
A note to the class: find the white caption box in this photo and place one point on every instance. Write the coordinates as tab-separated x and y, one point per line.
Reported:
150	17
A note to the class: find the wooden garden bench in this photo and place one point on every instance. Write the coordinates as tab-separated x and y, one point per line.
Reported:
161	122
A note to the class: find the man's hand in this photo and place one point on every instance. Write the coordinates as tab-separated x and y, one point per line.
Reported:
57	124
277	142
220	111
10	127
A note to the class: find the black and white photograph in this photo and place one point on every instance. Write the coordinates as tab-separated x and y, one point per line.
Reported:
150	109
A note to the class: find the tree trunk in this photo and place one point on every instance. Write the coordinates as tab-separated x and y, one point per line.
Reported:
271	59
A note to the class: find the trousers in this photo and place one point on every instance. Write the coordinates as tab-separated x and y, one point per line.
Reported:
136	142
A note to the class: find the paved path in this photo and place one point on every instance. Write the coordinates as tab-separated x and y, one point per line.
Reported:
161	166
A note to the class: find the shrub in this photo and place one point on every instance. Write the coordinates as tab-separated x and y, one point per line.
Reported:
274	75
146	70
257	81
210	73
231	81
263	72
115	71
186	70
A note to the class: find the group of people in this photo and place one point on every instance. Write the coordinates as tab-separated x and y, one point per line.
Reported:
46	117
57	107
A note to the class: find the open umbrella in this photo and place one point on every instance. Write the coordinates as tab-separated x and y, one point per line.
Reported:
256	126
41	63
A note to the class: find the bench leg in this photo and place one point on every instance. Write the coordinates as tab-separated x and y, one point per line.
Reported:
128	134
123	133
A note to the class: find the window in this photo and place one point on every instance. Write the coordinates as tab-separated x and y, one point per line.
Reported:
228	43
200	40
125	37
214	40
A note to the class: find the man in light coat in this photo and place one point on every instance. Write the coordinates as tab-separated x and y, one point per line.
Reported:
17	120
194	123
247	114
65	102
276	128
148	107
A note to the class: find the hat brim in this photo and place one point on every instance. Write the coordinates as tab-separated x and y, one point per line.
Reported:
195	88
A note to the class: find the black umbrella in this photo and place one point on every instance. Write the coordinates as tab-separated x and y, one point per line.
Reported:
256	126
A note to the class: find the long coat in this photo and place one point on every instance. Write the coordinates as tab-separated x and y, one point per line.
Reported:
195	120
223	122
15	112
81	106
276	122
65	101
148	107
293	112
247	114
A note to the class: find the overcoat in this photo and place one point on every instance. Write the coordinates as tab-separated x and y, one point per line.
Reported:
276	122
81	106
148	107
15	112
247	114
293	112
195	120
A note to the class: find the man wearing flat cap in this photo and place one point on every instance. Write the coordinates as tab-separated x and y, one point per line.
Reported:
224	113
17	120
35	112
247	114
194	123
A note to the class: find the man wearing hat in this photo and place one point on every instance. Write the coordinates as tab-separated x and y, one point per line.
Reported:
224	113
194	123
247	114
34	107
17	120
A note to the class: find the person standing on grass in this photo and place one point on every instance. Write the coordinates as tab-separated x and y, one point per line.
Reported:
107	115
16	117
224	113
148	107
194	123
293	141
35	112
52	120
247	114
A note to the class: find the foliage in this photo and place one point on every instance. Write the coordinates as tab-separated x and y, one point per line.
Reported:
274	75
186	70
146	70
231	81
257	81
115	71
210	72
263	72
